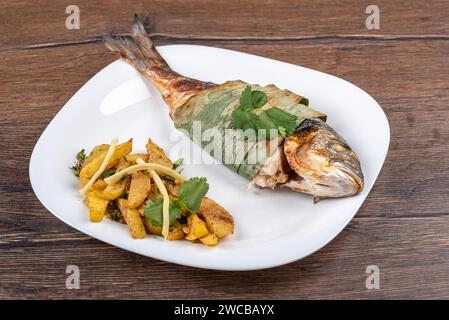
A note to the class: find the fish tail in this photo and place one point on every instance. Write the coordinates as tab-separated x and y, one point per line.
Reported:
139	51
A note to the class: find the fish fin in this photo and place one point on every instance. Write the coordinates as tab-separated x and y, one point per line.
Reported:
139	51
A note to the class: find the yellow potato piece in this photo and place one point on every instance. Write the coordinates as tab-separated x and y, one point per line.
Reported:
197	228
218	220
98	149
133	220
121	150
157	155
139	189
97	206
175	232
114	190
122	164
99	184
210	240
131	158
152	229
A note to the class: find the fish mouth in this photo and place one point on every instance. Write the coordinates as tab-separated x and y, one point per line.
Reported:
314	160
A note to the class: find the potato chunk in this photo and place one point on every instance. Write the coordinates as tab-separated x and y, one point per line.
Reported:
139	189
133	220
131	158
92	166
114	190
217	219
175	232
197	228
151	228
210	240
157	155
97	206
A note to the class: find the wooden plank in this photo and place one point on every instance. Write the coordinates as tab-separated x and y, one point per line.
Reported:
410	79
413	264
30	22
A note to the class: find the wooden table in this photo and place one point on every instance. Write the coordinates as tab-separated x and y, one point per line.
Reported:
403	226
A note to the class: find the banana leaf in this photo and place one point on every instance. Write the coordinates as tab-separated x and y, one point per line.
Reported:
212	109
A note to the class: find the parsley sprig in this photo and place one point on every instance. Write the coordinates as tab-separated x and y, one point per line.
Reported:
80	158
188	198
244	117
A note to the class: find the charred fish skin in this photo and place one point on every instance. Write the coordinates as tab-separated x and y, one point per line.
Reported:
313	160
323	163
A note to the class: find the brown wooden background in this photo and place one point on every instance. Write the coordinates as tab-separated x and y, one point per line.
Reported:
403	227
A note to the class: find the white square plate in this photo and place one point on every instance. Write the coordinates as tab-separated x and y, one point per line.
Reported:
272	227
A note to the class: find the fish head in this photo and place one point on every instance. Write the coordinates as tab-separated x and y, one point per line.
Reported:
322	162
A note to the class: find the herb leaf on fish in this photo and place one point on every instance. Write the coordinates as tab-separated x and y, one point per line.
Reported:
281	118
251	99
244	118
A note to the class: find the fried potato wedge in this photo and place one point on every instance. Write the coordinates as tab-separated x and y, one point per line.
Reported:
97	206
121	164
197	228
98	149
139	189
133	220
114	190
217	219
92	166
175	232
157	155
210	240
131	158
99	184
151	228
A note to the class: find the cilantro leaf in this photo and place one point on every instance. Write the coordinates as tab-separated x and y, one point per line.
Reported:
264	122
80	157
282	131
107	173
153	212
192	192
251	99
282	119
243	119
273	118
177	163
258	98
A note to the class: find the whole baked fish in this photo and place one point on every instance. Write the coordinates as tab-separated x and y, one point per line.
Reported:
312	158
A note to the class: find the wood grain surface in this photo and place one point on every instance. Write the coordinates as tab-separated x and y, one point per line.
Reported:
403	226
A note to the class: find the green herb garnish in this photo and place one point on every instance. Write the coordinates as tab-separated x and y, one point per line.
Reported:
80	158
192	192
251	99
113	212
153	212
124	176
177	163
107	173
189	197
244	118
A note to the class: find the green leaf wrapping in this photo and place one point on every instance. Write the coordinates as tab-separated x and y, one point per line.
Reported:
213	108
